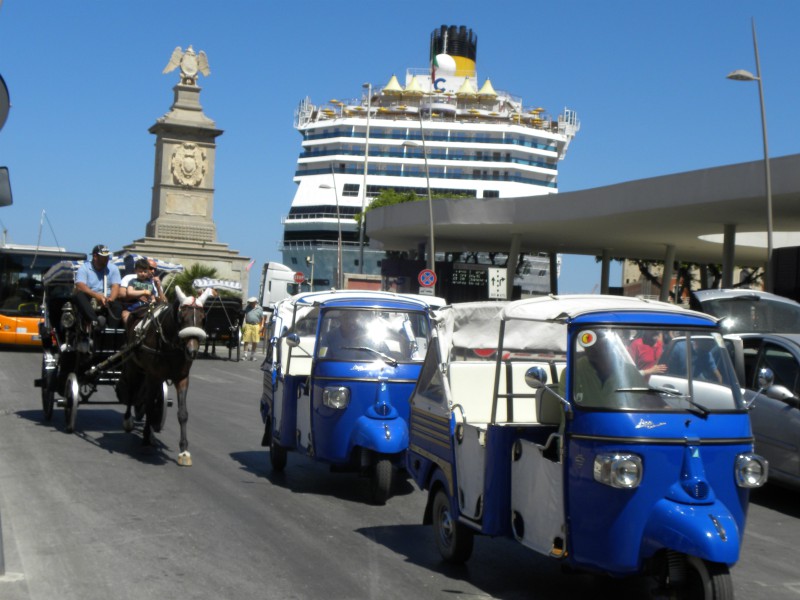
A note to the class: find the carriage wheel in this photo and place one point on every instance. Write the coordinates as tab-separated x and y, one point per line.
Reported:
71	399
277	456
160	408
48	391
235	341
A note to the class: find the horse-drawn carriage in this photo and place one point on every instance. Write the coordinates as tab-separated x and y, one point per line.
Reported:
223	325
77	358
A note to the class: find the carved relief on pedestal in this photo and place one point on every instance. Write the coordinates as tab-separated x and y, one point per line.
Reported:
188	165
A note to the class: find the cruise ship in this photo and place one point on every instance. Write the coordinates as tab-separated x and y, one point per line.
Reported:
479	141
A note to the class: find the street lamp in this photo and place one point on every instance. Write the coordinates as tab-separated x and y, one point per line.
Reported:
742	75
339	274
310	263
431	249
363	224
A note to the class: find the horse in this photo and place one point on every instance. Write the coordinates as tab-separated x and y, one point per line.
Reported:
164	345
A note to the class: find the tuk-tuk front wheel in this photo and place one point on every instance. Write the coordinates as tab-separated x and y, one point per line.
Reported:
692	578
453	539
277	456
382	481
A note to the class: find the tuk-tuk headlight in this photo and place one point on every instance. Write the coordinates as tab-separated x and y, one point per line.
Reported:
336	397
618	470
751	470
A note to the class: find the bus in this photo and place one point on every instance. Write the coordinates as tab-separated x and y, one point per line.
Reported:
21	289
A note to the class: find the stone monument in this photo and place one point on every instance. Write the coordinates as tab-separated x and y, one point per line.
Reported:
181	227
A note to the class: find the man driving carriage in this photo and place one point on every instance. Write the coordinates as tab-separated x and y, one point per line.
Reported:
97	288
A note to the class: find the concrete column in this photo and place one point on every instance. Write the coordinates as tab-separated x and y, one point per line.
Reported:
728	255
666	278
605	271
511	265
554	273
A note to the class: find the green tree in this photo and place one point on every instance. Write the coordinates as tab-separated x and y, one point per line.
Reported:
185	278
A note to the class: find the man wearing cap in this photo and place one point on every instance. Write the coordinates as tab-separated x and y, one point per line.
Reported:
252	326
97	287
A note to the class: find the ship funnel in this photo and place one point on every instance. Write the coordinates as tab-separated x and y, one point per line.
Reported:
453	52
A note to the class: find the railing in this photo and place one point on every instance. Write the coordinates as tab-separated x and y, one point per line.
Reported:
375	171
432	137
434	156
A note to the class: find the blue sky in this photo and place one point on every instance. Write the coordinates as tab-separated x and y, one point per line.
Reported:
646	78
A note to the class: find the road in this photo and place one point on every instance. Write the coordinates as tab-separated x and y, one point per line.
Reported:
93	515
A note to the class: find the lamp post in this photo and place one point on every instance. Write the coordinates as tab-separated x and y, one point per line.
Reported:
310	263
363	224
431	245
339	274
742	75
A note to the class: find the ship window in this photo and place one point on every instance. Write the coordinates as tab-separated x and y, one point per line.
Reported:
351	189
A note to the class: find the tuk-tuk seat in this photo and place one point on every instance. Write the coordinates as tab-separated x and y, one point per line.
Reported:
472	386
548	408
301	357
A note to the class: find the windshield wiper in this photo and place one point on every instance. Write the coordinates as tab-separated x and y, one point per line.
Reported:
700	409
387	359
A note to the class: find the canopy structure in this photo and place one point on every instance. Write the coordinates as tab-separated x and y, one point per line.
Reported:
217	284
715	215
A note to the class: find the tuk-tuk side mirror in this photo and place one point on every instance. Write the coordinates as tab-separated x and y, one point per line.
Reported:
292	340
536	377
765	380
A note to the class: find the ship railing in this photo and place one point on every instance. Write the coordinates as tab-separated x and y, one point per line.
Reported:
486	157
436	137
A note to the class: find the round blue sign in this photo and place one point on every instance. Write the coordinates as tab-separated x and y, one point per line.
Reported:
426	278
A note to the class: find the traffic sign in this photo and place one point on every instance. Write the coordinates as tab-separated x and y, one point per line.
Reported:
426	278
426	291
299	277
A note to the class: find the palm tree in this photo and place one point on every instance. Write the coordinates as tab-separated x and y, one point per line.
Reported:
185	278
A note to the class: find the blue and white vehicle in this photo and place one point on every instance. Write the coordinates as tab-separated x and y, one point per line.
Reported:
339	372
532	420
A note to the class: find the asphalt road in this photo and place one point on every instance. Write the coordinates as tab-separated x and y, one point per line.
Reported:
93	515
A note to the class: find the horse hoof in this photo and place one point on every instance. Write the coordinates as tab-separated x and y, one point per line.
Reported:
127	425
185	459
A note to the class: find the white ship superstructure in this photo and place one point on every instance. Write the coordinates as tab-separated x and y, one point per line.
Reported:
480	142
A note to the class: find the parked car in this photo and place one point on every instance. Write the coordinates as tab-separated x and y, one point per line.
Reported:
768	326
749	311
775	413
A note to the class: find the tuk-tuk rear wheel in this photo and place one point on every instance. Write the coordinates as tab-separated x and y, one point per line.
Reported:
277	456
453	539
382	481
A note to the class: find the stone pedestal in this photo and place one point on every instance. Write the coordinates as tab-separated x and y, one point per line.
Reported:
181	227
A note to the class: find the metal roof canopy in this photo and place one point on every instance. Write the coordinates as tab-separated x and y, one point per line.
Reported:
636	219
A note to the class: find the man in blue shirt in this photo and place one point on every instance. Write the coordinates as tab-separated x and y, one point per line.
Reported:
97	287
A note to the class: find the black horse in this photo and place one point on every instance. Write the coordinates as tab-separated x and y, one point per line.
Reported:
165	344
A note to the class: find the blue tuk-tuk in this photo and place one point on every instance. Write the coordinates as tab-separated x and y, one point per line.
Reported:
606	432
340	368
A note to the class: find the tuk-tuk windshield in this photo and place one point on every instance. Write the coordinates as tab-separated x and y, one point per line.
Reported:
373	334
650	369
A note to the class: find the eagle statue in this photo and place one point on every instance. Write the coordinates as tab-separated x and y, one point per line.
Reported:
190	63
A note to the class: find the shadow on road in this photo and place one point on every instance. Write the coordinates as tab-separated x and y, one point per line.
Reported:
777	498
102	428
501	568
305	476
